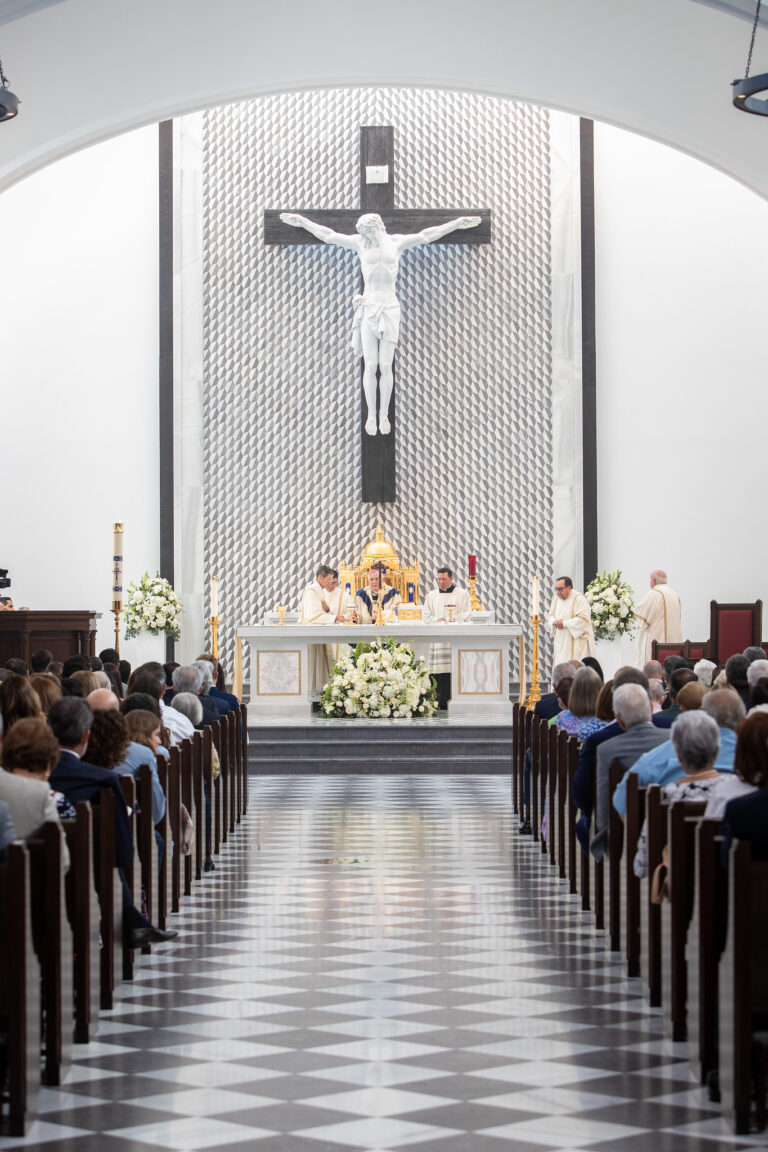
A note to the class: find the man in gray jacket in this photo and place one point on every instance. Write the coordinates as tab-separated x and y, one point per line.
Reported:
632	709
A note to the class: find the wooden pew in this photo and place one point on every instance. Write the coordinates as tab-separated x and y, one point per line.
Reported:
572	849
110	895
630	905
164	866
743	993
146	843
650	914
52	937
553	748
199	802
188	800
237	769
242	728
615	849
676	913
561	803
538	731
132	873
221	809
225	754
518	719
19	994
706	936
173	806
83	911
597	873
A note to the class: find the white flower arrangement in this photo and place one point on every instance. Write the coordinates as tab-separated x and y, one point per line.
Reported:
612	603
152	606
380	679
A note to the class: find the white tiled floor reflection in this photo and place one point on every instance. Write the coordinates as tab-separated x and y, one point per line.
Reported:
379	963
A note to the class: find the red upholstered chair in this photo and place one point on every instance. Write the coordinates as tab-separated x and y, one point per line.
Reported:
733	627
697	649
660	651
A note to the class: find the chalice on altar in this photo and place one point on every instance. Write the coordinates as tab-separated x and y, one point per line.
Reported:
450	609
281	610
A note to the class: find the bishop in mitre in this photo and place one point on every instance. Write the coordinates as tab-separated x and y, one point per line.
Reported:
658	616
570	622
377	592
323	602
435	611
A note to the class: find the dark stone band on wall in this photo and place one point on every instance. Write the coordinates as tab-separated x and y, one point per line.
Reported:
165	360
588	350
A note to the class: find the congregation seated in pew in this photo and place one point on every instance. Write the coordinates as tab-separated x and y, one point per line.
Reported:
29	754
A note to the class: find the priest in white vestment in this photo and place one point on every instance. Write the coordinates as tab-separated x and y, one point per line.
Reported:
658	616
377	591
435	611
570	622
322	603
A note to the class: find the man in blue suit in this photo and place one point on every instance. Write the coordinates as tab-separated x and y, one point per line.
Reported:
70	720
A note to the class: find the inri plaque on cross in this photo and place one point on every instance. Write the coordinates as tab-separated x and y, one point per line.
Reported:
377	311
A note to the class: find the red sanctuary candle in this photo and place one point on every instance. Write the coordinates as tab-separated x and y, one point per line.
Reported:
472	566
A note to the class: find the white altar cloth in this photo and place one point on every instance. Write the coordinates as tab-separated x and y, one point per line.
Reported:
479	662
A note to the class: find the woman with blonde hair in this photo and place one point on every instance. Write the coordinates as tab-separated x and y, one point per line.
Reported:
87	680
47	688
143	728
580	717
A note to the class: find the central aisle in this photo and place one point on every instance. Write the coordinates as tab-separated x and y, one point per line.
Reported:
379	962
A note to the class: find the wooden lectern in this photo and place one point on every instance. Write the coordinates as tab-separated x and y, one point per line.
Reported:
62	633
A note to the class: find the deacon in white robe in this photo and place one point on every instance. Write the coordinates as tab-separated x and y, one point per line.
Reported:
570	622
367	599
319	604
435	611
658	617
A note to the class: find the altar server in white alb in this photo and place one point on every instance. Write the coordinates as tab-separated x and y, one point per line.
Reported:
321	604
658	616
435	611
570	622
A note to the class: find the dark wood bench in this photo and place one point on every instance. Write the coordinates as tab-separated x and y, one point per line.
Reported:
706	936
682	819
743	992
19	995
110	895
650	913
83	912
630	913
52	938
614	857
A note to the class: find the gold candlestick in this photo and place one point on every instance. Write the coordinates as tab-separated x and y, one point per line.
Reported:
474	602
281	609
116	609
214	623
535	694
379	614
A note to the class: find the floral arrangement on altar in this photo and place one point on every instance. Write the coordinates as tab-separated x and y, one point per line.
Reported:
152	606
383	678
612	603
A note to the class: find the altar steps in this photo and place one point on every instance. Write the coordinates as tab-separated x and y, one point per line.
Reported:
324	747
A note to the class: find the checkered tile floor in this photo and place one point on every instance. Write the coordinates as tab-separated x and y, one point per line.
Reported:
379	962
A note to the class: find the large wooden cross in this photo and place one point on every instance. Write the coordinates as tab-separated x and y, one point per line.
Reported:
377	194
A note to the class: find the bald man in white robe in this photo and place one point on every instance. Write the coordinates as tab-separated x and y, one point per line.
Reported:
570	622
658	617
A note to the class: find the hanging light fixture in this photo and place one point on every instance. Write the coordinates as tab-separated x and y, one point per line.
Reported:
745	91
9	103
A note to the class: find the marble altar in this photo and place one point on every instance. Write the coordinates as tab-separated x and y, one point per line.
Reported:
479	663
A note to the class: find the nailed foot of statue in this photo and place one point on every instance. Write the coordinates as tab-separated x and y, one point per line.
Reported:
384	426
370	426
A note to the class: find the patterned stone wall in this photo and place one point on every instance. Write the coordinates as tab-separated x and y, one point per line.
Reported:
281	447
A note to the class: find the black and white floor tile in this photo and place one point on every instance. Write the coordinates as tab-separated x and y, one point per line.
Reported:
379	963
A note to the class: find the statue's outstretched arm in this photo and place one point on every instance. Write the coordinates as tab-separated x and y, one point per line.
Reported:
427	235
326	235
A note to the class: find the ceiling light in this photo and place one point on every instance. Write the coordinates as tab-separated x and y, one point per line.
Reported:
9	102
745	92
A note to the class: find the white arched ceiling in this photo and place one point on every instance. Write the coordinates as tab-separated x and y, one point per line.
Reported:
89	69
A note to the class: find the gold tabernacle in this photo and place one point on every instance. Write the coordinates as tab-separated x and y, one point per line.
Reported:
381	551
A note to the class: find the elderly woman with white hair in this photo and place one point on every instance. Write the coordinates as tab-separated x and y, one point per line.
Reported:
696	738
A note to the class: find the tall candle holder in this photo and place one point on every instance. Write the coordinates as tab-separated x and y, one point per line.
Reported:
214	623
535	694
474	602
117	609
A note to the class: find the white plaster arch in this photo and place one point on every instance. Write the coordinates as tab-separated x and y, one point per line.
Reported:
87	70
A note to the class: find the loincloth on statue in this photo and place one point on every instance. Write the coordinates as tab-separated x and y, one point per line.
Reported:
383	320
